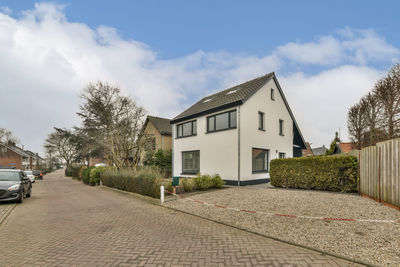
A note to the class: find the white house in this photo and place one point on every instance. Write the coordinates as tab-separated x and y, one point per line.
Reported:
236	133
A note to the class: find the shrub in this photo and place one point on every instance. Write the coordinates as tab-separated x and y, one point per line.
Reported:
203	182
168	185
217	181
86	175
68	171
145	181
81	172
95	175
188	184
72	170
331	173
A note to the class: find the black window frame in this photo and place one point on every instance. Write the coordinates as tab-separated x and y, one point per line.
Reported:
282	155
272	94
215	121
262	120
265	170
193	133
281	127
187	172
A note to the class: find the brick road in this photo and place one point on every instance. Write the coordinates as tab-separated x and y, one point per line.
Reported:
67	223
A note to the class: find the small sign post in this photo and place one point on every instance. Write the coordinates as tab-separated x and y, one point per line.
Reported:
162	194
175	183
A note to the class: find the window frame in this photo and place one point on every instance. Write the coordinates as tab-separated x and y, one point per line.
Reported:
193	133
272	94
262	127
268	160
215	121
281	127
182	169
282	155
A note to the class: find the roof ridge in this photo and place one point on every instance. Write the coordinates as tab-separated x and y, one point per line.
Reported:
158	117
238	85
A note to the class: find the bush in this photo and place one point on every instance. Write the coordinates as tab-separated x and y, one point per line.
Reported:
95	175
188	184
168	185
331	173
145	181
81	172
73	170
203	182
217	181
86	174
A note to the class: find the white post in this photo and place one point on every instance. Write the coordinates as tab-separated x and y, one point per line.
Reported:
162	194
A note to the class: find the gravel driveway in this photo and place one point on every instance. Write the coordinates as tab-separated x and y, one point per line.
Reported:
376	243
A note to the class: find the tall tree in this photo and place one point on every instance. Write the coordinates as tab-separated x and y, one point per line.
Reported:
114	119
356	125
387	91
372	114
7	136
64	142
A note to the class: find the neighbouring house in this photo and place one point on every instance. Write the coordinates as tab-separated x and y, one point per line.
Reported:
343	147
308	151
236	133
319	151
158	135
13	156
35	161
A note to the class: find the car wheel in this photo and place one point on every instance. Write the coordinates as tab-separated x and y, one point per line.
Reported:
21	198
29	193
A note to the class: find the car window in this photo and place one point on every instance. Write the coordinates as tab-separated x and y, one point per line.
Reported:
28	172
9	176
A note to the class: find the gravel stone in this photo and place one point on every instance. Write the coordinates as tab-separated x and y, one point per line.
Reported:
376	243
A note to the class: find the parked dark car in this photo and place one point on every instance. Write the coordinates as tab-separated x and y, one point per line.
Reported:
38	174
14	185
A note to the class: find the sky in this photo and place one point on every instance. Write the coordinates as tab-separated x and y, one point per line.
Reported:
169	54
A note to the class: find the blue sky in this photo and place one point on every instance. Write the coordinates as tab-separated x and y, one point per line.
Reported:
168	54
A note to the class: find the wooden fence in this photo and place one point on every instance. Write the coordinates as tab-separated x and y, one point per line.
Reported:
379	168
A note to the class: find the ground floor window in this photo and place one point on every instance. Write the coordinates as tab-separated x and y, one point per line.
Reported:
191	162
260	160
282	155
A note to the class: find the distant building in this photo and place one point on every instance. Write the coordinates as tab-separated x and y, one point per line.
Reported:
158	133
13	156
319	151
308	151
343	147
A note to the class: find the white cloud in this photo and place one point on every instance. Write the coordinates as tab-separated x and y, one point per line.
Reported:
47	60
5	10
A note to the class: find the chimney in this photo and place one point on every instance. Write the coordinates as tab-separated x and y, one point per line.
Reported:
11	143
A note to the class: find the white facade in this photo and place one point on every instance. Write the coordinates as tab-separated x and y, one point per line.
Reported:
229	152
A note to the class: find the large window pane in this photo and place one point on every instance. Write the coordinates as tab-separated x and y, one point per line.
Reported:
179	130
194	127
260	160
233	119
191	162
187	129
222	121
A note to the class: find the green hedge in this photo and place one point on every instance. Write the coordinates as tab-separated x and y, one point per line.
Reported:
145	181
73	170
331	173
86	174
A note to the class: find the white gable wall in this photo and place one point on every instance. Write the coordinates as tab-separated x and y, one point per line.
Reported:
218	150
251	137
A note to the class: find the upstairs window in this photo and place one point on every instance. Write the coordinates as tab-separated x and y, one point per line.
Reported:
272	94
186	129
261	121
281	127
222	121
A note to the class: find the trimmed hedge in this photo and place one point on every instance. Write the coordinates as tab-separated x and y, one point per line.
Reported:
330	173
86	174
145	181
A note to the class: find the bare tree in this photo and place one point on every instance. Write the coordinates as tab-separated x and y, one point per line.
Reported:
6	136
356	125
387	91
372	114
63	142
114	119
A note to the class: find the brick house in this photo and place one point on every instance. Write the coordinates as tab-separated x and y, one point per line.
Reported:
13	156
308	151
159	135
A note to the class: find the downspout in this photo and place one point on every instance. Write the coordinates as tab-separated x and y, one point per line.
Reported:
238	112
172	150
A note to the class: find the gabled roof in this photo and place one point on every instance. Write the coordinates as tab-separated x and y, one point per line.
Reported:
319	151
162	125
16	149
230	97
236	96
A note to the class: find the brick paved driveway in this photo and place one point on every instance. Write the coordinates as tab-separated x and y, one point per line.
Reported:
68	223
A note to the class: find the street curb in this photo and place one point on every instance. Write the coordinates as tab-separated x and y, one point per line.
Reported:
2	219
156	202
274	238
